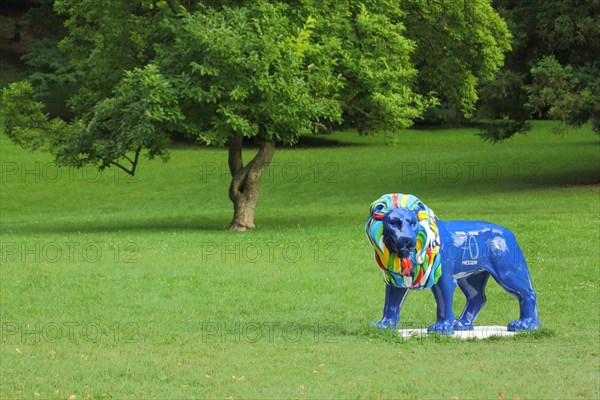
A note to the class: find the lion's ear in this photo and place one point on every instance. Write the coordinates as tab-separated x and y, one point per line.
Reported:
419	206
378	211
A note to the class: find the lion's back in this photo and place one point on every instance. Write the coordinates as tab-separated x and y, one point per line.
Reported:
471	246
476	228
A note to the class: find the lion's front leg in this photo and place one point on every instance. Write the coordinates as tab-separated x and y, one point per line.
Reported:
394	298
443	292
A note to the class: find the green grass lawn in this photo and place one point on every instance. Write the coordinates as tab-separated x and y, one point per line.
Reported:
117	287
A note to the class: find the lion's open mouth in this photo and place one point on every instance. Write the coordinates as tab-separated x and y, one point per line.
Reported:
402	251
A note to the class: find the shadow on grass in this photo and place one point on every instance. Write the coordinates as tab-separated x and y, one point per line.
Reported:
344	218
324	141
141	225
174	223
304	142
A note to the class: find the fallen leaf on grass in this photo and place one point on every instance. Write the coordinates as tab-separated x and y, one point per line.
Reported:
301	388
18	351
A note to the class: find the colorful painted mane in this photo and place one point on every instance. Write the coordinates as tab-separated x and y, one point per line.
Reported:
423	268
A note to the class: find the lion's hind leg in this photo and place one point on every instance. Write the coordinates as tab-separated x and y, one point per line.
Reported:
511	272
473	288
521	288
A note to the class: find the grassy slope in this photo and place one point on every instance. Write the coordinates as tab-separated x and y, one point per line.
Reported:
117	287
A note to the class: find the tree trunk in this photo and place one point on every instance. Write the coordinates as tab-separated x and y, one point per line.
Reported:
244	190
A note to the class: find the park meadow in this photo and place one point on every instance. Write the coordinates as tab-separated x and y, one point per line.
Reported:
115	286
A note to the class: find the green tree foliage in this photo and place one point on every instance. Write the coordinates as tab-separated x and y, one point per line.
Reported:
49	66
36	30
262	71
569	94
459	45
553	70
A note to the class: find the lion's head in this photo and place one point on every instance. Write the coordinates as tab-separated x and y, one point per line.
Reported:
403	231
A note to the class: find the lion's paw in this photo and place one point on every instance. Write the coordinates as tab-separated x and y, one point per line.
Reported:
460	325
527	324
385	323
442	327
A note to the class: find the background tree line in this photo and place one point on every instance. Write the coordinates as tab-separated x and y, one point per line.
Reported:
108	81
551	70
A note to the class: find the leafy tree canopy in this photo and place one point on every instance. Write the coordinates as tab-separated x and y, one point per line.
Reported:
553	70
266	71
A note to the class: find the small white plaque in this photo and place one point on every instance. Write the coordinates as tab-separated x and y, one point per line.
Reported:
478	332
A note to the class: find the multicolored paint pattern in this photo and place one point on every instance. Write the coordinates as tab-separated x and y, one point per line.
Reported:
423	269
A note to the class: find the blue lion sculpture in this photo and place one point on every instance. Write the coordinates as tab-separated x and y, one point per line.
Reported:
415	250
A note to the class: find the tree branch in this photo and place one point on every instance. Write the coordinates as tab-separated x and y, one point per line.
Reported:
261	160
235	161
137	157
357	30
116	164
348	106
127	158
133	162
252	171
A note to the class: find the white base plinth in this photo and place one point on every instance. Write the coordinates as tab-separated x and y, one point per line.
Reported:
478	332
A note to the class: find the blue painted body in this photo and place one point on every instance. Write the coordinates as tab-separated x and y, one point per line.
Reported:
471	252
